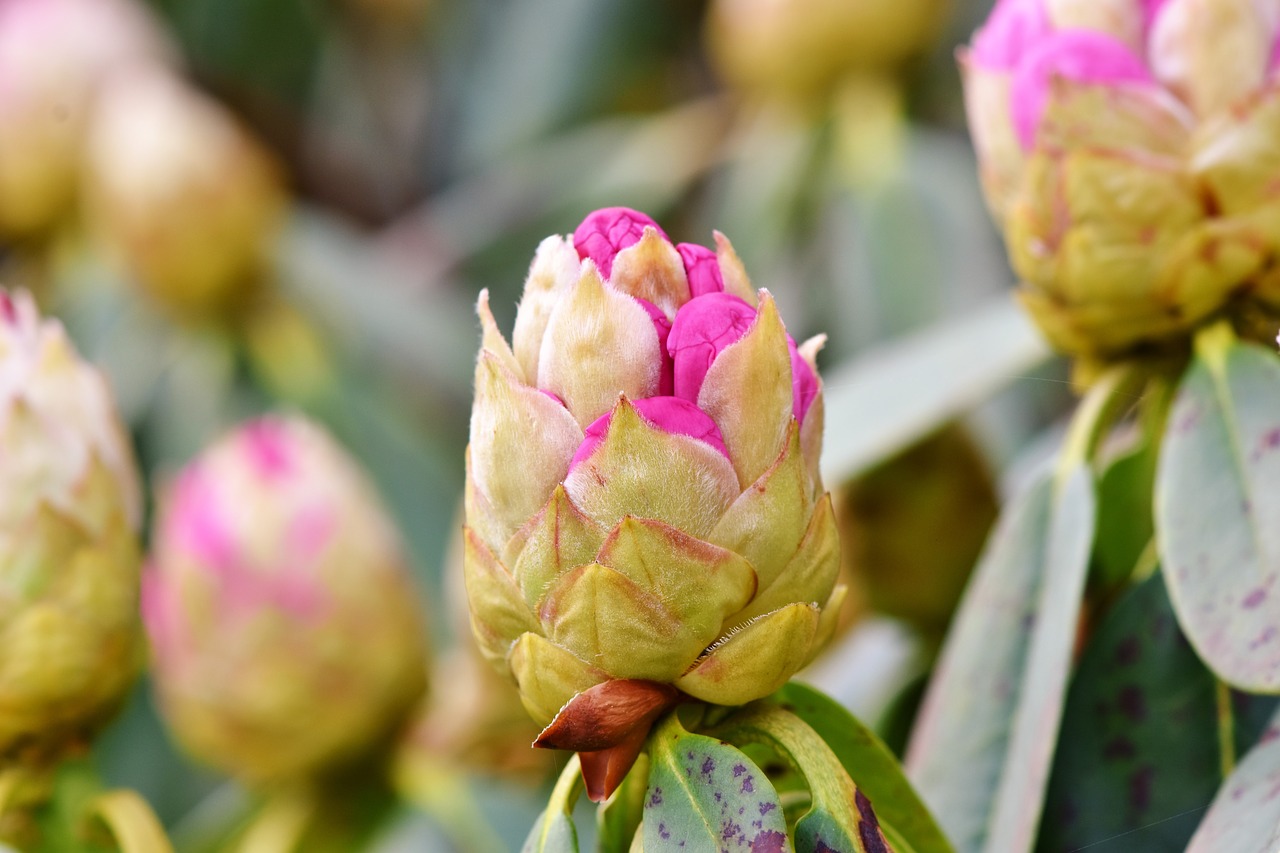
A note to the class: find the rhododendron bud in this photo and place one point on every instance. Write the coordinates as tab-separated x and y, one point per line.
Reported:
181	192
800	47
54	56
1127	149
623	540
70	506
284	626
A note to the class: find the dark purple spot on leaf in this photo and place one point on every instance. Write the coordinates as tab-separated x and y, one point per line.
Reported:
663	832
655	798
869	828
708	767
748	785
1119	748
1254	598
1140	787
1129	651
765	808
1131	703
769	842
738	770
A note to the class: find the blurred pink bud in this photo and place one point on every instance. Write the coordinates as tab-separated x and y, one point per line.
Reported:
606	232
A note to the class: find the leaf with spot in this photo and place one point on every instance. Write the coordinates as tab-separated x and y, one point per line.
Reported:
840	818
707	795
1217	502
873	768
983	743
1141	761
1245	815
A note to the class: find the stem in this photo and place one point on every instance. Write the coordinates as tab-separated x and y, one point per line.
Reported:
134	825
1226	728
280	826
1101	405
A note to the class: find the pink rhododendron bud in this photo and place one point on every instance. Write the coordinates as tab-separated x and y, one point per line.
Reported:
701	268
802	47
1126	148
283	622
626	544
70	507
606	232
54	57
186	198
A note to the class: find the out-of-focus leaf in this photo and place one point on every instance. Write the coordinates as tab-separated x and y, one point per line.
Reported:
1140	761
893	395
377	308
1245	815
555	831
1217	502
870	765
984	741
707	795
1125	524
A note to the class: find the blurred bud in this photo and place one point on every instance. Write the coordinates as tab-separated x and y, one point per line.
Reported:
802	47
284	625
54	56
70	506
913	528
643	502
185	196
1127	150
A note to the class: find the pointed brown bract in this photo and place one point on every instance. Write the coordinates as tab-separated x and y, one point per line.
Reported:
607	726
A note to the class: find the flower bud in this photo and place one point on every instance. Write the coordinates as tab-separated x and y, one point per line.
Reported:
54	56
801	47
181	192
283	622
70	506
1126	150
620	533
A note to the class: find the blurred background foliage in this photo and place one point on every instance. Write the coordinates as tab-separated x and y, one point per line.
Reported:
422	148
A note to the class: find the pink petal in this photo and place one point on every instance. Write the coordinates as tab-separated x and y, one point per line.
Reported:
8	312
669	414
804	383
702	329
606	232
1083	56
1013	30
702	268
662	326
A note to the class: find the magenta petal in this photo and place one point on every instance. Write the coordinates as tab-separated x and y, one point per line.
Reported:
702	329
1083	56
662	326
1013	30
804	383
606	232
702	268
266	442
669	414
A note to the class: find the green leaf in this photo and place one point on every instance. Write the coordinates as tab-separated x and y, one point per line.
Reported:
707	795
895	394
555	831
984	741
1245	815
871	766
1141	724
840	817
1217	501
